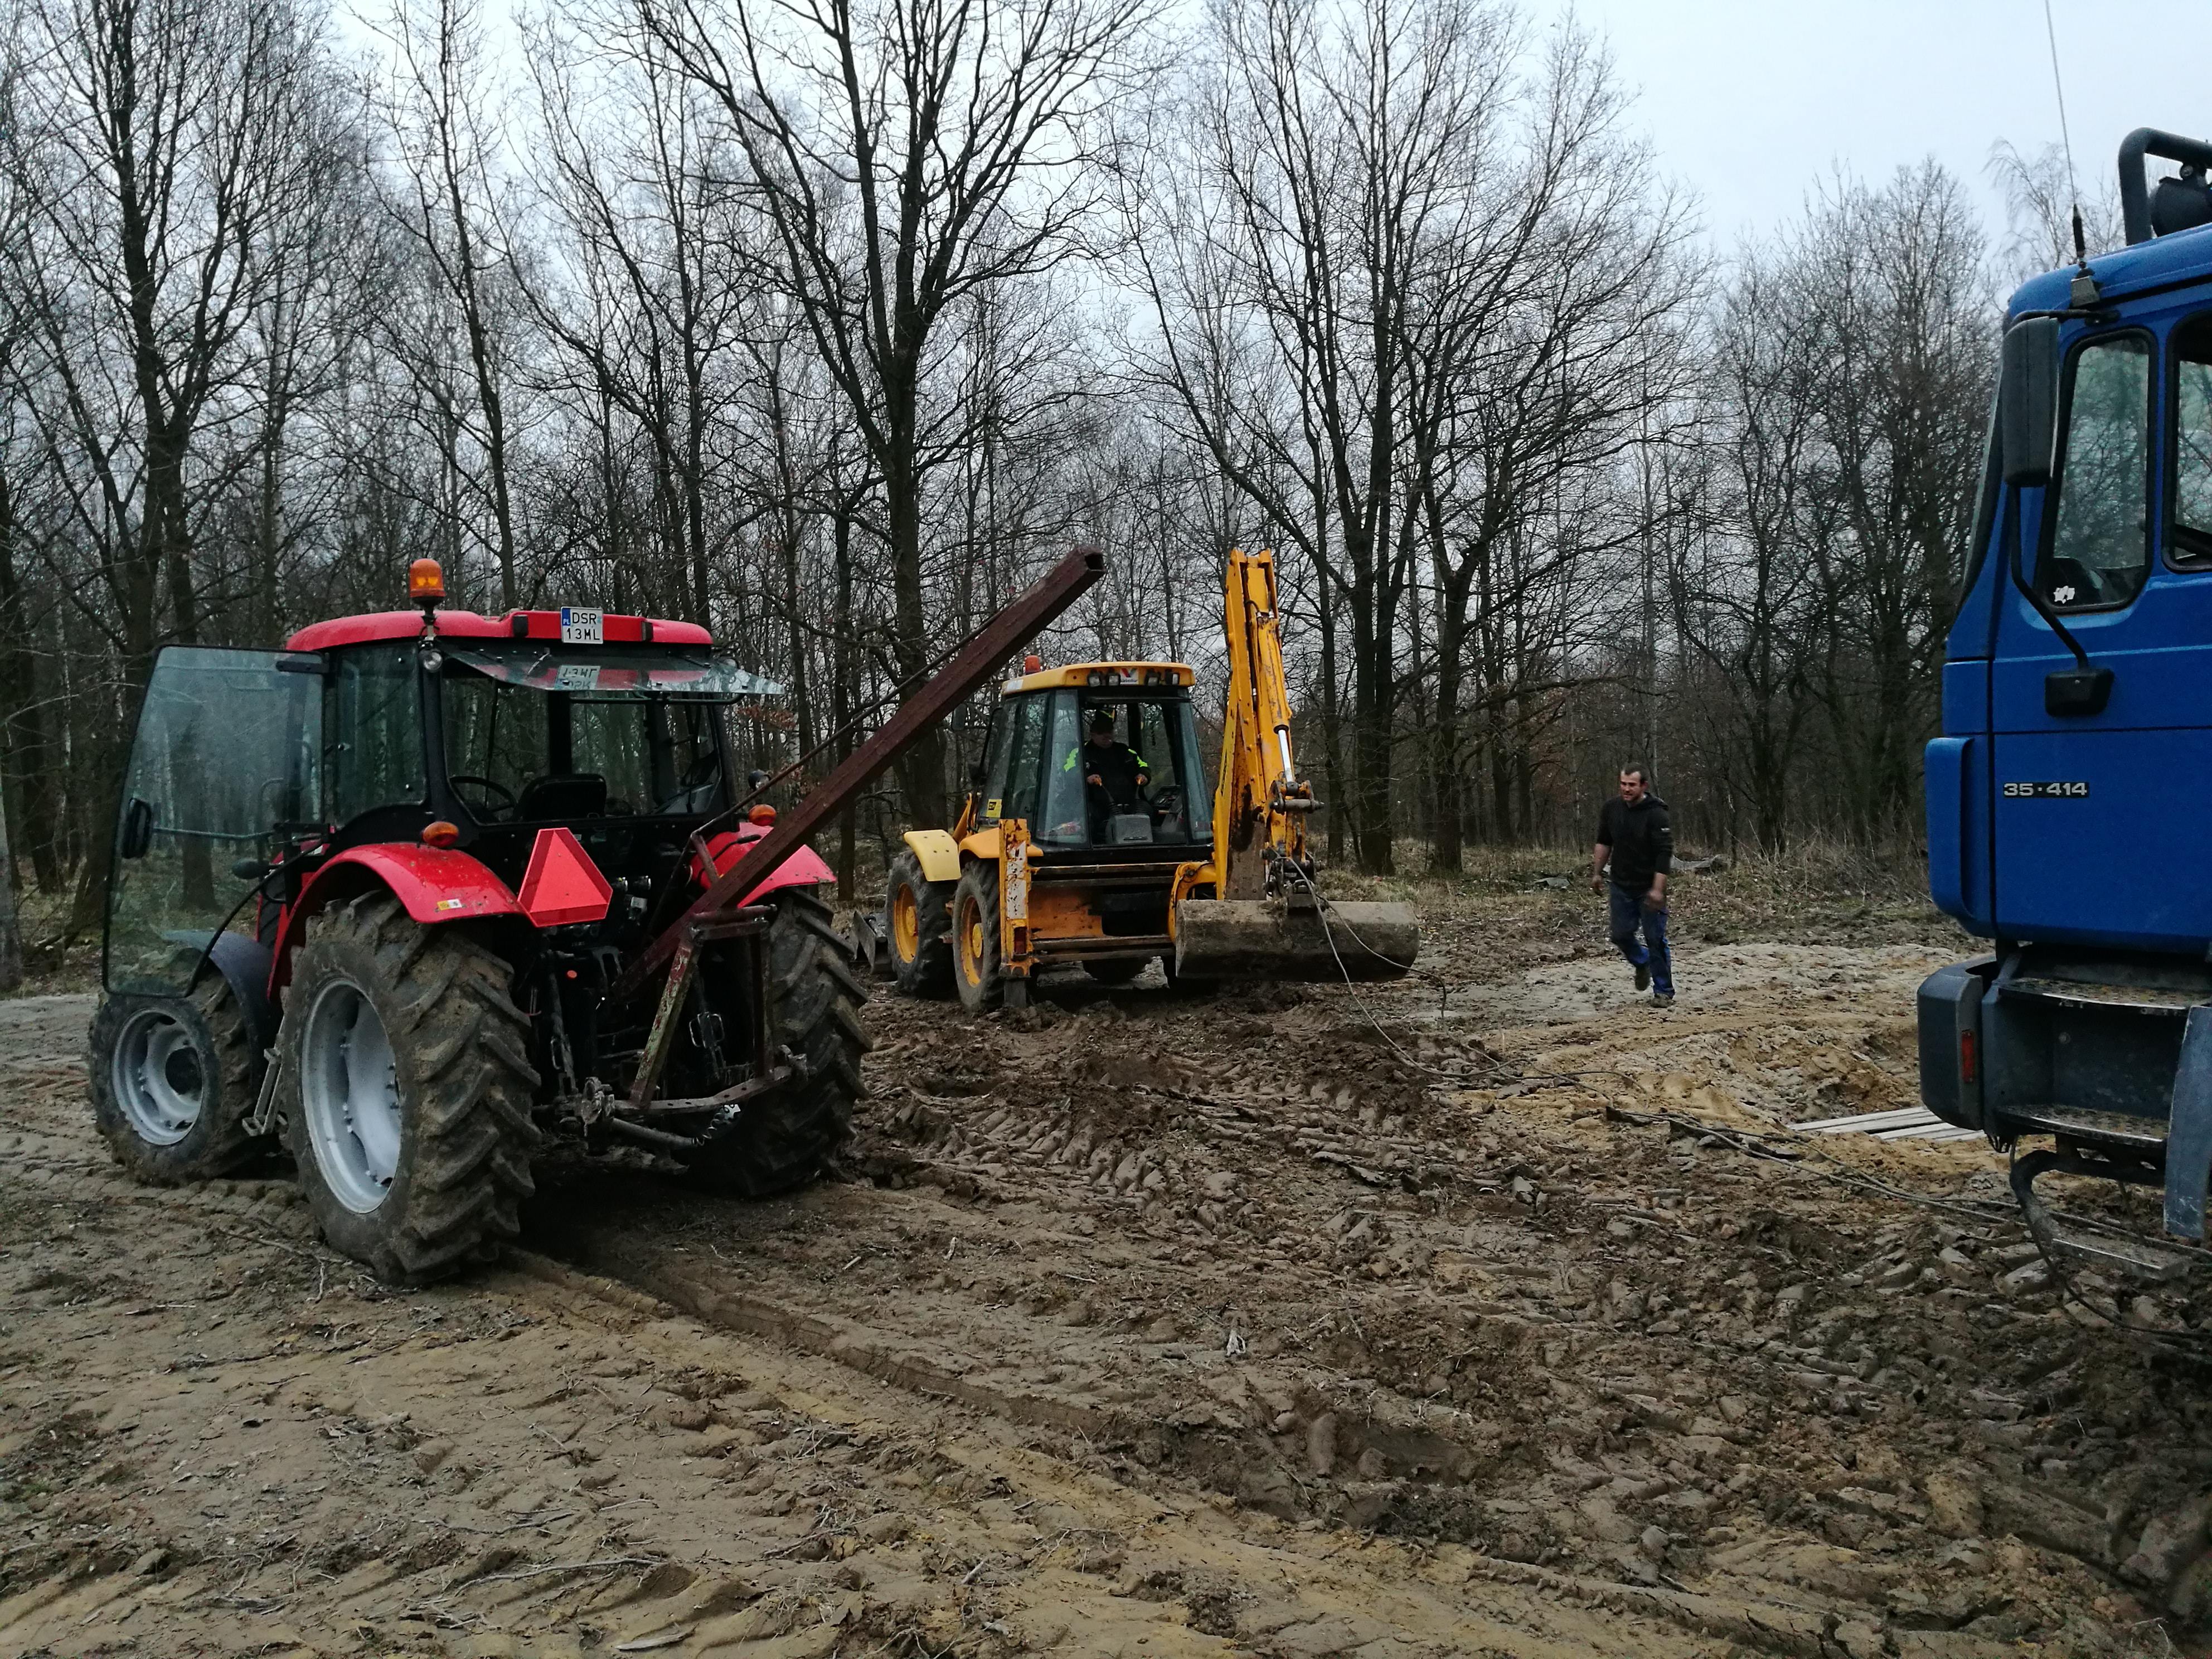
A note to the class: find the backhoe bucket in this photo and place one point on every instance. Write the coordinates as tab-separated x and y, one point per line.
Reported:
1269	939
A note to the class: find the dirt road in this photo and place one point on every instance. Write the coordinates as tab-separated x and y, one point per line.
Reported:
1511	1320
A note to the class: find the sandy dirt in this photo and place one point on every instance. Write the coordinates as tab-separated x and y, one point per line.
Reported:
1494	1313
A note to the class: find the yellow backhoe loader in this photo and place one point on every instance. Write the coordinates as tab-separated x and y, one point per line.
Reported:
1089	836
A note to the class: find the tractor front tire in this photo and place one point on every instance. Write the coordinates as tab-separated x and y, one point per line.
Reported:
975	939
172	1082
407	1092
918	917
787	1138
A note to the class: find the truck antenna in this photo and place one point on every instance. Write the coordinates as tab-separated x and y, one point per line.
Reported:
2073	186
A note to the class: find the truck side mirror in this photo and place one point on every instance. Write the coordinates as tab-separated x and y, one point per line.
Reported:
137	833
2028	402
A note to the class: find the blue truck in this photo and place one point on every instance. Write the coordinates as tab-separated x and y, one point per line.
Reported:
2068	796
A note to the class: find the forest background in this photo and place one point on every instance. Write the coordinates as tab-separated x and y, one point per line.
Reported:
829	323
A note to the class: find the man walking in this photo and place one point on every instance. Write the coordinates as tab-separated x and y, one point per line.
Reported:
1633	831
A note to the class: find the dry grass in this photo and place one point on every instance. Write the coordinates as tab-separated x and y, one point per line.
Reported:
1823	891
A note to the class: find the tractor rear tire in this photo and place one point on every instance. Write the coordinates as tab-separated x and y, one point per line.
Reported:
172	1082
407	1089
975	939
785	1139
918	918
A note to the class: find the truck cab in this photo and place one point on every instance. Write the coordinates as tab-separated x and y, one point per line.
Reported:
2077	709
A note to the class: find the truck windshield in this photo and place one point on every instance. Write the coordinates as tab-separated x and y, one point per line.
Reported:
538	737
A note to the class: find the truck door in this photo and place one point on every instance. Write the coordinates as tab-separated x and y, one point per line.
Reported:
2091	810
225	756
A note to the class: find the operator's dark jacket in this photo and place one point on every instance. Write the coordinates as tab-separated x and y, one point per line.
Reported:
1642	840
1116	767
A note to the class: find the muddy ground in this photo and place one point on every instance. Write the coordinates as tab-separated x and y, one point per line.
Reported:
1492	1313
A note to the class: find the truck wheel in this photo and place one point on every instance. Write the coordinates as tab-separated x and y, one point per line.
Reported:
408	1087
919	923
172	1081
787	1139
975	939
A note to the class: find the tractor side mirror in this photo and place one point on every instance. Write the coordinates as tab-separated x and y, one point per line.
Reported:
137	830
2028	402
250	869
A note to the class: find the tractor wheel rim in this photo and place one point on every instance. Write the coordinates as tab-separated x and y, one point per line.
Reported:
349	1090
971	941
157	1077
906	925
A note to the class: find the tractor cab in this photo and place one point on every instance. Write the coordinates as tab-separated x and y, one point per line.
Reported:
249	769
1096	756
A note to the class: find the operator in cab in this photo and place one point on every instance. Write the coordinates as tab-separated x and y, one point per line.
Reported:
1113	774
1634	836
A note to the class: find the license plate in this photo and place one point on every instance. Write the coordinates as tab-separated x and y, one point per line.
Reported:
583	627
577	677
2046	792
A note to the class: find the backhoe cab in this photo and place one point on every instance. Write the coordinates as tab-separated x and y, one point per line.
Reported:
1090	837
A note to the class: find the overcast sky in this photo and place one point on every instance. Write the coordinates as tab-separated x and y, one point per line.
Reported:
1749	100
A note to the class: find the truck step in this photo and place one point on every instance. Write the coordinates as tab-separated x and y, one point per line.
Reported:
2120	1130
2084	993
2137	1258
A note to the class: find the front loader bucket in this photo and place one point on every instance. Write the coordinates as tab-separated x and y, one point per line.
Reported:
1269	939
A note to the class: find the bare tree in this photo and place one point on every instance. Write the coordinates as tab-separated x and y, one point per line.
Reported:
909	156
1748	597
440	111
157	144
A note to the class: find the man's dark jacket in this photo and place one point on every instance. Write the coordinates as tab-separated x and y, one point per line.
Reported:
1642	840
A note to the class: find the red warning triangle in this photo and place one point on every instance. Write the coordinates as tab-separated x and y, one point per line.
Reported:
562	885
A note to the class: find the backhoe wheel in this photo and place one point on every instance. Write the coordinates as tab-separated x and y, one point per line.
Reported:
172	1081
407	1086
976	938
787	1139
1114	973
919	923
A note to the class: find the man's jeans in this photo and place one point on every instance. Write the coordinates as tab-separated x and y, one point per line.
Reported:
1628	912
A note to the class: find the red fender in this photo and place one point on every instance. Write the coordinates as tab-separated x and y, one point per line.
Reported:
803	868
436	883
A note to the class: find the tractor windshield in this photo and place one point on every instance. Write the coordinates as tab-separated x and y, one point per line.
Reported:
223	762
534	735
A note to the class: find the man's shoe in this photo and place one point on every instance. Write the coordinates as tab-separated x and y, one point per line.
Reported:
1642	976
1662	999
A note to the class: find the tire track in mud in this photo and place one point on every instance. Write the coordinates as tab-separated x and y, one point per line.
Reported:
1292	1324
543	1461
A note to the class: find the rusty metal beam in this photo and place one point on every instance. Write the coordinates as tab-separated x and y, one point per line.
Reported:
981	657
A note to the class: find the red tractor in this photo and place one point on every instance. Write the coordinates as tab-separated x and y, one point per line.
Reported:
371	893
426	888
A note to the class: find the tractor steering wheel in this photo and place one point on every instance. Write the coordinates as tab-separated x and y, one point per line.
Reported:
490	785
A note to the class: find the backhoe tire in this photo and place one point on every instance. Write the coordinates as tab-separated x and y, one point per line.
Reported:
918	918
1114	973
787	1139
406	1089
975	939
172	1082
